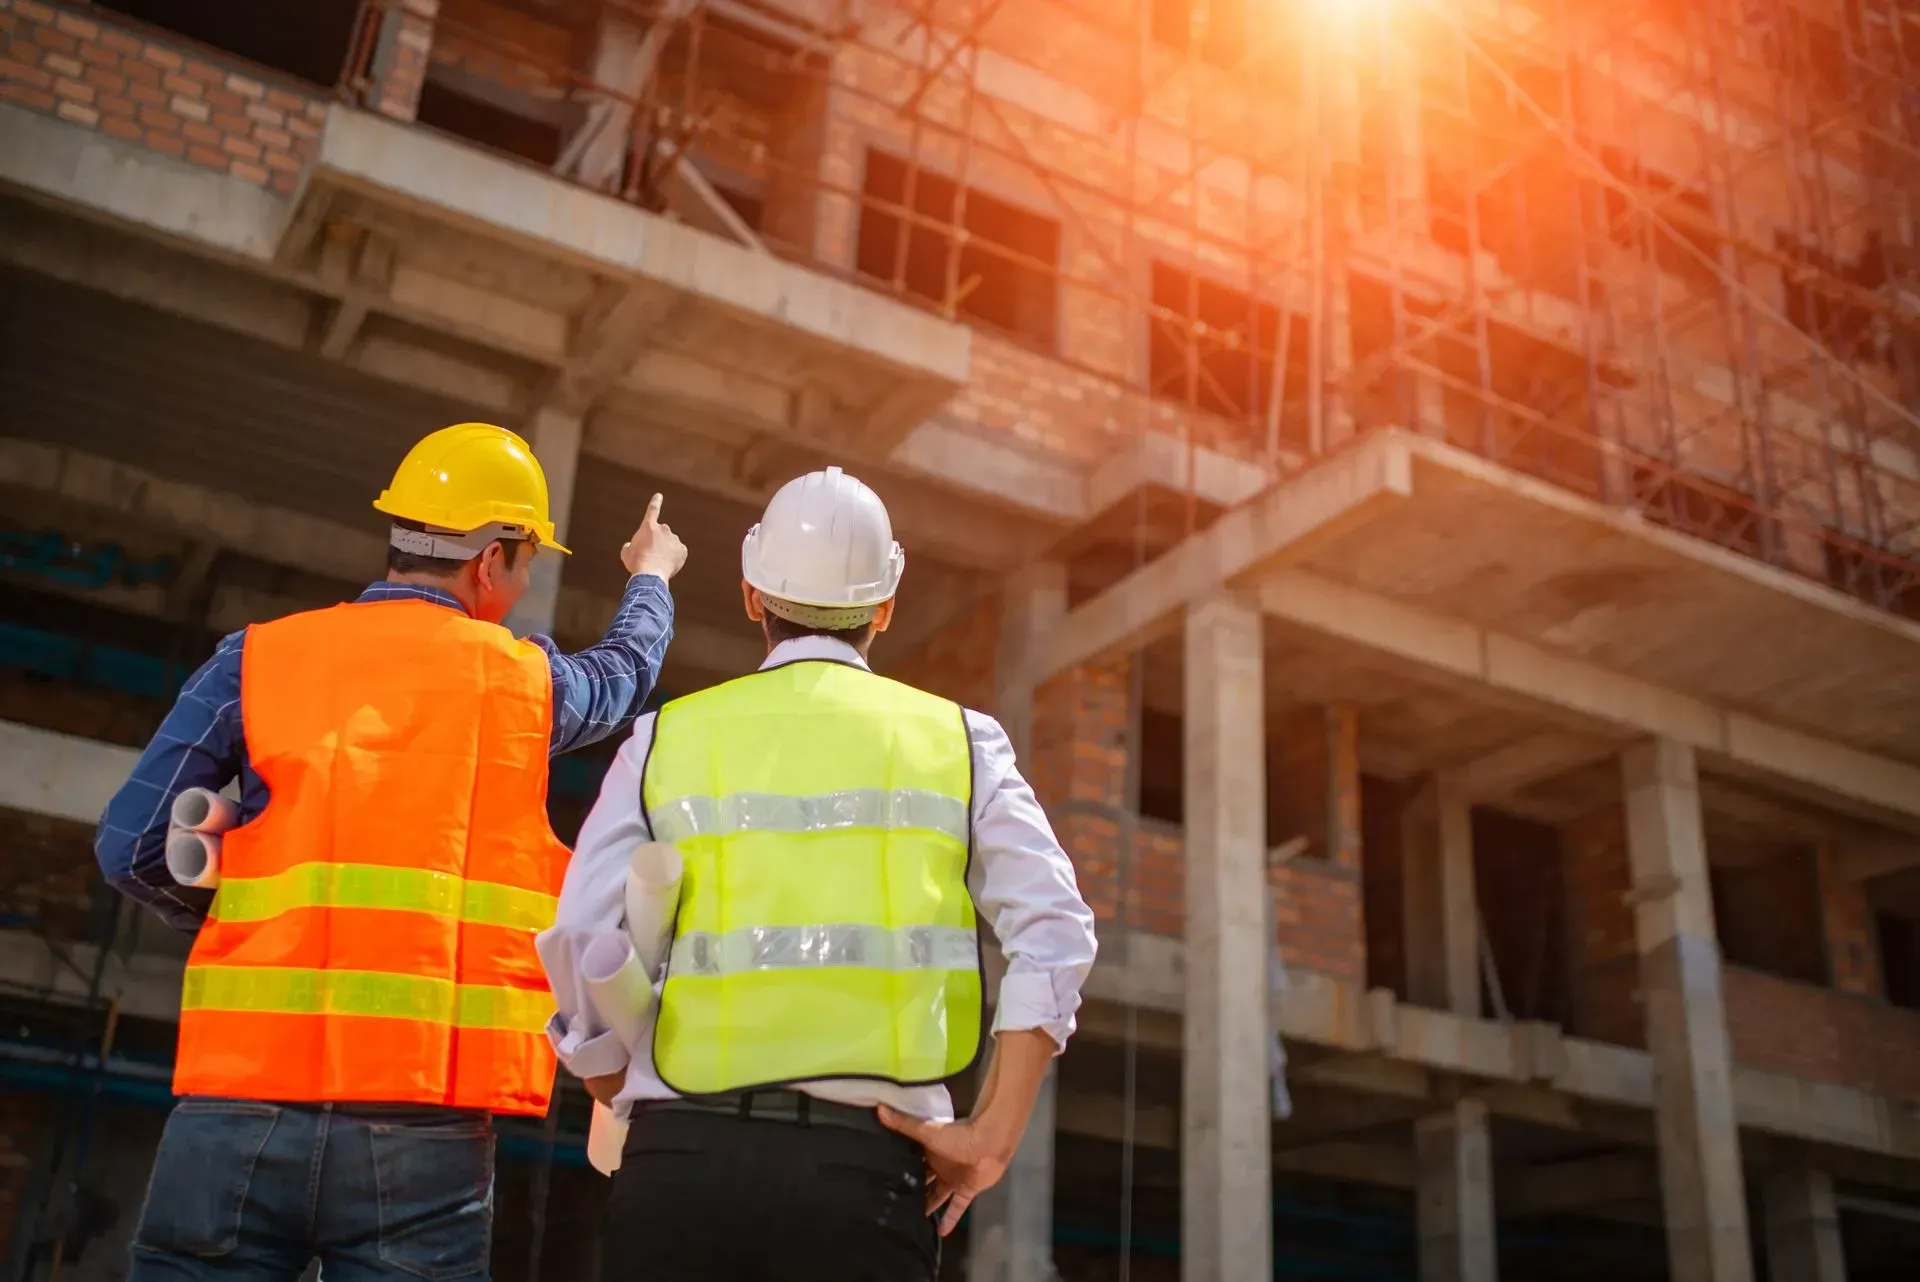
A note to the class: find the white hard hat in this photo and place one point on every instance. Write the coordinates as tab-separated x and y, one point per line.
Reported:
823	555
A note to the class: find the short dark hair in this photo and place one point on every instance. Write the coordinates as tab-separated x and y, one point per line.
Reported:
399	562
779	629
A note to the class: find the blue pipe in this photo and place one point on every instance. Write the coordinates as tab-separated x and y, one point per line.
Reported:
53	556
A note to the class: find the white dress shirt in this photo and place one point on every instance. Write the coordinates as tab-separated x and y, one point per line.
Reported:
1019	877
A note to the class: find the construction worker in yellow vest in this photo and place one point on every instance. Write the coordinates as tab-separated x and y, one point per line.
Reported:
363	993
837	833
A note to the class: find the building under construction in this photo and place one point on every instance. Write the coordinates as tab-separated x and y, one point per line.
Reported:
1432	486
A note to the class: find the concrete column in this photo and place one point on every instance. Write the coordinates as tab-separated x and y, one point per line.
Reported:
400	53
1453	1154
1227	1140
1440	908
1010	1226
1700	1177
1803	1229
555	438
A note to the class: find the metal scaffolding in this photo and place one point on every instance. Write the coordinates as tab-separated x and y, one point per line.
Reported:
1663	257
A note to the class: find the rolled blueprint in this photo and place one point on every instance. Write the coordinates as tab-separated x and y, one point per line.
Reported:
193	858
618	986
653	897
203	810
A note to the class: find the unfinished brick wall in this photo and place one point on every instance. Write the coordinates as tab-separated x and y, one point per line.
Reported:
1852	944
169	95
48	876
1816	1033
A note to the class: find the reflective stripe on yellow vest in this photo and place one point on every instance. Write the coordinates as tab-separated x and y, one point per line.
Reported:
824	927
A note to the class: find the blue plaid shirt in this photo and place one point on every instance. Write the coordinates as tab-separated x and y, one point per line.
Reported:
202	743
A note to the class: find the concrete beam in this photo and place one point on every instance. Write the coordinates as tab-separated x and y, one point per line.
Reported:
1700	1164
1866	860
1590	697
1285	524
1583	1185
146	986
1226	1103
1528	761
43	773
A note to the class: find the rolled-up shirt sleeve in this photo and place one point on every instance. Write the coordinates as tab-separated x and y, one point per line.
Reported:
1025	886
593	907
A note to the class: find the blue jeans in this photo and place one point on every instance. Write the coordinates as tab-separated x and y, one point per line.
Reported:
244	1191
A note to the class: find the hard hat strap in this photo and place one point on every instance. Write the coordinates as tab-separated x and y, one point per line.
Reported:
455	545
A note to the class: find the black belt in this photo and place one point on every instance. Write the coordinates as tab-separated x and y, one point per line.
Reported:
773	1106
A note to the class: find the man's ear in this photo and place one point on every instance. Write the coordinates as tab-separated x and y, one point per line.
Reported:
750	597
883	615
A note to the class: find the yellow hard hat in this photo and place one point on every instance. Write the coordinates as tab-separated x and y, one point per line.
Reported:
470	475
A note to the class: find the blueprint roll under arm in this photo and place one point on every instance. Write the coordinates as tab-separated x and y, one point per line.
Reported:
620	981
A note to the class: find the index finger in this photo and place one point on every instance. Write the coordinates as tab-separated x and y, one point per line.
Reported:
653	509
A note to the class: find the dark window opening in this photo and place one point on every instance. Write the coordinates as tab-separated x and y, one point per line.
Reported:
489	125
750	208
305	41
1163	756
1004	272
1233	344
1900	959
1517	874
1766	909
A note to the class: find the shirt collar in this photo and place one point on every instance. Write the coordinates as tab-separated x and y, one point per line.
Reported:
832	649
384	591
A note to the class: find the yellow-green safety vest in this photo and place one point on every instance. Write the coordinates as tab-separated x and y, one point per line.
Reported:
824	927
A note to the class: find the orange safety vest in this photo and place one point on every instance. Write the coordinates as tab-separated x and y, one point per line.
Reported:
372	934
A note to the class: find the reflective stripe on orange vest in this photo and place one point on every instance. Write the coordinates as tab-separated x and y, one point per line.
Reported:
372	936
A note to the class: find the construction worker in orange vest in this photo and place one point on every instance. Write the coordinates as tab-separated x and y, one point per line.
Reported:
363	993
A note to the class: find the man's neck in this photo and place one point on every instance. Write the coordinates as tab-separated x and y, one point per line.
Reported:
451	584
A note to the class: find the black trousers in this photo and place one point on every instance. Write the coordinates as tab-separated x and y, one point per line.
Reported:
717	1197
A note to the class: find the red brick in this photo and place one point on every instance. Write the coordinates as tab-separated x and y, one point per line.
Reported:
231	124
280	160
21	73
73	90
78	27
148	94
119	41
99	55
205	72
266	115
241	147
285	101
245	87
162	56
207	156
164	142
101	78
273	138
252	173
119	128
302	127
26	95
283	182
33	11
79	114
158	119
49	38
61	65
206	134
183	85
111	104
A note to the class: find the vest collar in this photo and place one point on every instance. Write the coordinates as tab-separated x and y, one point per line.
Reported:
825	649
